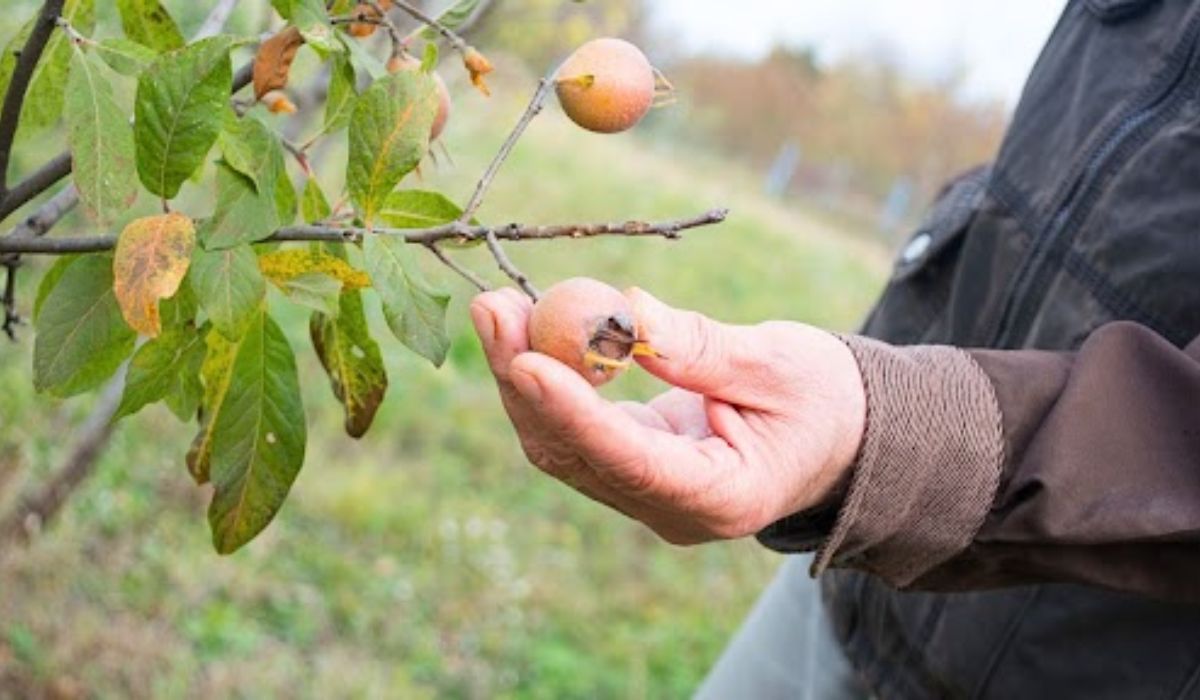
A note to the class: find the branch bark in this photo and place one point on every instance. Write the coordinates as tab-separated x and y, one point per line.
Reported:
35	511
419	236
18	85
214	23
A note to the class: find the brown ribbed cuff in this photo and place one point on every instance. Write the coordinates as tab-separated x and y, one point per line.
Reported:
929	465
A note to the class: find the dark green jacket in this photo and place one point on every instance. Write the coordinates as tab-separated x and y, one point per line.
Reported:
1089	215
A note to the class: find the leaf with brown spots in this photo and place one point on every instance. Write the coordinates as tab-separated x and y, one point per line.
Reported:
273	63
152	257
283	266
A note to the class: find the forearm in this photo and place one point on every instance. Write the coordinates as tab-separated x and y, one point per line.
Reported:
989	468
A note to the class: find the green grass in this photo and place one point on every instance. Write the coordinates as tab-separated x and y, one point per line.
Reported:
427	559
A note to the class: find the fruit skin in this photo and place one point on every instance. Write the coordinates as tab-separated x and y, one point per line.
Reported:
578	316
606	86
362	30
409	62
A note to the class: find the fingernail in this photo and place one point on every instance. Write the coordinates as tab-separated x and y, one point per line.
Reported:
527	384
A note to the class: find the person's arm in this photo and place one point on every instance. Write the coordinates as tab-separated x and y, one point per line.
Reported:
987	468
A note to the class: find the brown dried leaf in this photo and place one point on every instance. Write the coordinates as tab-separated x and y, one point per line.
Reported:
152	257
274	61
478	66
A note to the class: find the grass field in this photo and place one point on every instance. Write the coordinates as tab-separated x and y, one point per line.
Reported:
426	559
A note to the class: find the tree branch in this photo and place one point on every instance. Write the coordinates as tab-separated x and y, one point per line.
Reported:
18	85
214	23
418	236
535	107
463	272
415	12
49	214
33	512
507	266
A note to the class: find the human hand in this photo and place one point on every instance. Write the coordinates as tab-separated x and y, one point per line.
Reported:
765	421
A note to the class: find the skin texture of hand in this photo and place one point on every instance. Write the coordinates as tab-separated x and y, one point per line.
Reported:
764	421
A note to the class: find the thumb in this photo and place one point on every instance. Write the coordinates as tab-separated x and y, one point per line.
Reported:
696	352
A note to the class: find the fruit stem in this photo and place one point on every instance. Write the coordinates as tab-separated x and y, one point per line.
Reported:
462	271
455	40
507	266
536	104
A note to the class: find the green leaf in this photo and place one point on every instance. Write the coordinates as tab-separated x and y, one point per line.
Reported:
167	366
125	56
101	141
415	311
246	145
343	91
284	8
215	375
315	290
389	135
243	214
285	193
179	111
148	23
364	59
8	60
229	286
418	209
50	281
353	361
429	59
314	206
258	436
81	337
44	98
452	18
310	18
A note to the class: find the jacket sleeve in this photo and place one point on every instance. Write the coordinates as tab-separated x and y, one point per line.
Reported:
982	469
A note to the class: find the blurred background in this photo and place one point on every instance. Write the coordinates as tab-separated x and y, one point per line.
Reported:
428	559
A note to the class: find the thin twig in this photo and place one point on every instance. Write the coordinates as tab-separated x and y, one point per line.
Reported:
37	224
392	30
415	12
65	245
463	272
507	266
214	24
12	318
18	83
535	107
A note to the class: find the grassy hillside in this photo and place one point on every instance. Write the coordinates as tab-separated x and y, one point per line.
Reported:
426	559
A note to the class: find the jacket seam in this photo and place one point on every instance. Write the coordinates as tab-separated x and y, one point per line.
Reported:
1190	684
1005	643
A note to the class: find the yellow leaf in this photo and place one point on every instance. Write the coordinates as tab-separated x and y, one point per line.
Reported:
152	257
283	266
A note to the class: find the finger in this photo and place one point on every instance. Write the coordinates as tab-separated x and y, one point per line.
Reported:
684	411
646	415
697	353
501	320
623	452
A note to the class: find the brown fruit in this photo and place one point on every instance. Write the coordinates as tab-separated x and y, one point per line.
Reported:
586	325
606	86
362	30
409	62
